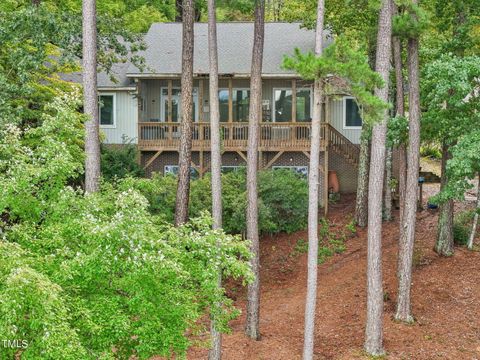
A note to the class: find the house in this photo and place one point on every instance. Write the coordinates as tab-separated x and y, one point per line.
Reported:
145	106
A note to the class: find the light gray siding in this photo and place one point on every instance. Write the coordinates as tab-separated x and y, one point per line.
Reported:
126	114
337	120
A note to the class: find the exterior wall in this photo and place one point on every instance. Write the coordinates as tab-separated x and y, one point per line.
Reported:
126	115
347	174
337	120
151	100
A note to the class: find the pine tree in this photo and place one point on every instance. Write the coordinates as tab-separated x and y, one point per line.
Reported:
185	153
215	352
374	325
253	297
313	182
90	105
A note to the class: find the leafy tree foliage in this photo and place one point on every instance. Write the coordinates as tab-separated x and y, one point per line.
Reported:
349	71
82	275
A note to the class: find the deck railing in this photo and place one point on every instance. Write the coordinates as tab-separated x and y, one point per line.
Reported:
339	143
273	136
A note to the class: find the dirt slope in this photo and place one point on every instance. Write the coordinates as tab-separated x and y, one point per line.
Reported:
446	300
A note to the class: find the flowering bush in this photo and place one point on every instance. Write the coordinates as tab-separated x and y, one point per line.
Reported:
99	276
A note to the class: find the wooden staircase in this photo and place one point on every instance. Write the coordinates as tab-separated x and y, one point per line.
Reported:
338	143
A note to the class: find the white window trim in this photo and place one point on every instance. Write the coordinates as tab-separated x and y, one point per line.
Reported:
162	103
345	127
289	88
114	110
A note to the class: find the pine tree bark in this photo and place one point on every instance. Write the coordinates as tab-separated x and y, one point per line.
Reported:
388	191
313	194
407	234
475	218
374	326
253	296
361	205
90	103
215	352
400	111
444	245
185	152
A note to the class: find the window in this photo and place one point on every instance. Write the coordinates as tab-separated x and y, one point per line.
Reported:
282	105
106	104
304	105
176	104
223	104
231	168
173	170
351	114
240	104
301	170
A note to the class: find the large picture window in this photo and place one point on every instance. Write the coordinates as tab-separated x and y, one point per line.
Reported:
283	105
304	105
176	105
351	114
282	102
106	104
223	104
240	104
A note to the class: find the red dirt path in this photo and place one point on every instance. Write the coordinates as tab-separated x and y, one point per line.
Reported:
446	300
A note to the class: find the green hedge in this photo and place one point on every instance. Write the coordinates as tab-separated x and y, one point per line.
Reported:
283	199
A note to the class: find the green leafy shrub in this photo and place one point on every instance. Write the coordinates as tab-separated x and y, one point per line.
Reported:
120	161
462	227
81	275
285	194
283	199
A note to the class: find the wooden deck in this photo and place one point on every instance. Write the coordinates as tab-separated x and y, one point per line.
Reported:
291	136
273	136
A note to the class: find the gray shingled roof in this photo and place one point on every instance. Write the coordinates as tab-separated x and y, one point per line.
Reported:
235	40
119	72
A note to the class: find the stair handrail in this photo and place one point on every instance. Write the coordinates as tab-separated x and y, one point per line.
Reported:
342	144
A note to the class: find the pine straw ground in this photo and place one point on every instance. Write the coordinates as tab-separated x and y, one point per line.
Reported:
446	299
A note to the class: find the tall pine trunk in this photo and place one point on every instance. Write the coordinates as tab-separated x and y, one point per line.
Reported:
400	111
407	233
388	191
90	104
374	325
361	205
475	218
253	297
313	185
185	153
216	164
444	244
